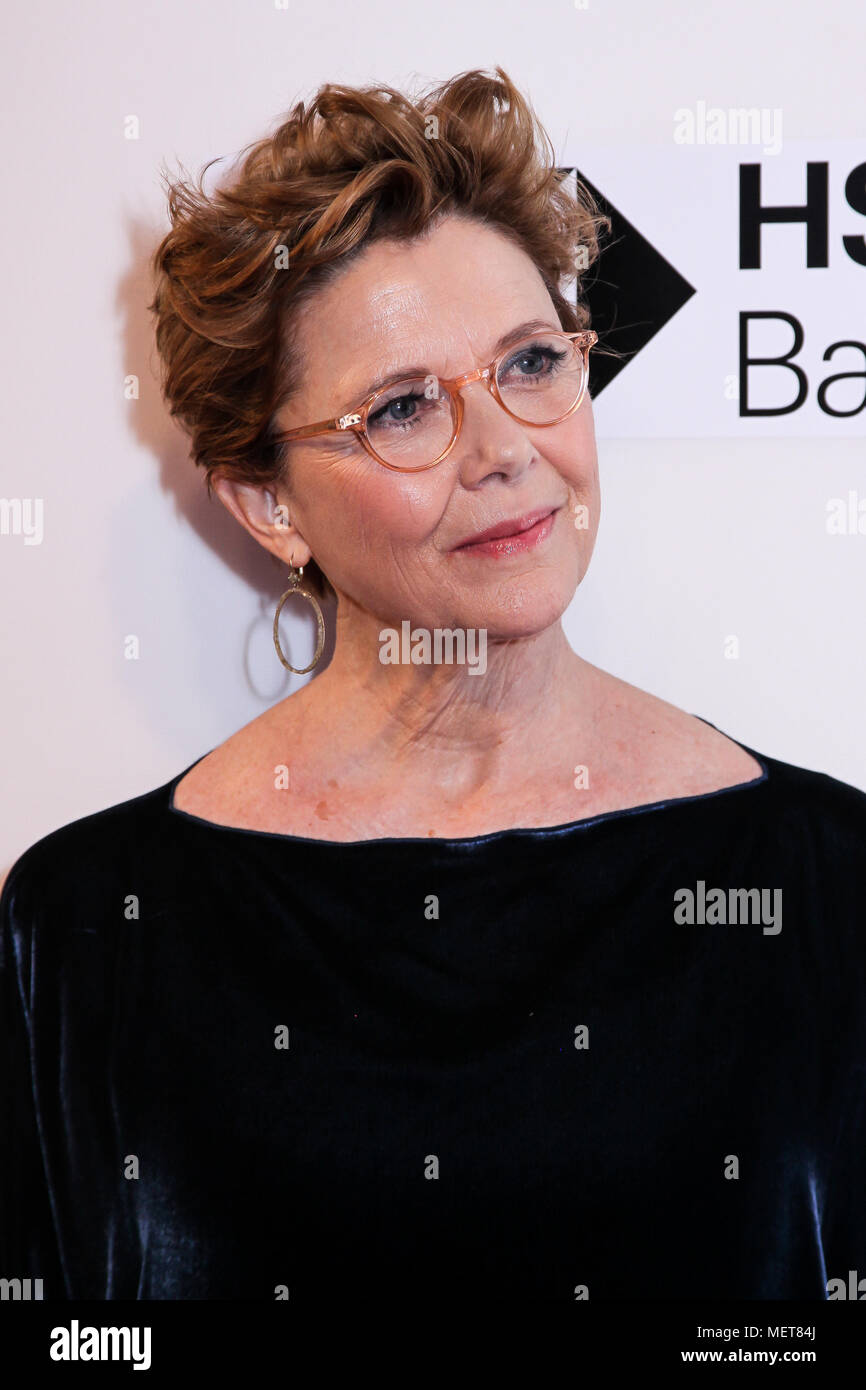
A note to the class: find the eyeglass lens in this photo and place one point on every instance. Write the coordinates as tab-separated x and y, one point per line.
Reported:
413	422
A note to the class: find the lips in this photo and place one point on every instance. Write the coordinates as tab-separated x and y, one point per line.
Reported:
514	527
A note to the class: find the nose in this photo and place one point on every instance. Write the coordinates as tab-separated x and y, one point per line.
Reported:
491	442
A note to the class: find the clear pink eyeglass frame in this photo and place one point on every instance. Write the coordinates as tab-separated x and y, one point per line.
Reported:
356	420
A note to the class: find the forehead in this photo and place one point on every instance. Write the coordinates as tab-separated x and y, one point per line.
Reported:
451	293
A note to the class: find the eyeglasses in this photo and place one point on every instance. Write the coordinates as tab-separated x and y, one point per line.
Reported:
414	423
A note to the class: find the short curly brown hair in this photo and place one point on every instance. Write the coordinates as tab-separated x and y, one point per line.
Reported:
357	165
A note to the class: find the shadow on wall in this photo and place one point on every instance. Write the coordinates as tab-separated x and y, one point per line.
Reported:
153	427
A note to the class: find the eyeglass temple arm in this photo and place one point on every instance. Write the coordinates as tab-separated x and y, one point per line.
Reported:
342	422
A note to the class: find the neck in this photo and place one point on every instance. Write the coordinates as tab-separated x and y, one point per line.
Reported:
456	730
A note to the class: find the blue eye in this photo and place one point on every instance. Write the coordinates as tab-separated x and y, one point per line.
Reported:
543	362
398	411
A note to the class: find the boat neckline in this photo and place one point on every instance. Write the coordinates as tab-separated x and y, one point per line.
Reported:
531	831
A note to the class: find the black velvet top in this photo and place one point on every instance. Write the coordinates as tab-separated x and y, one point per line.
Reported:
549	1063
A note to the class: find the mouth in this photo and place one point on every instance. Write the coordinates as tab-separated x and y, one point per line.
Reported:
511	537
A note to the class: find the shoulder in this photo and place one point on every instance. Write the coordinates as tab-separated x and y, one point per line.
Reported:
665	751
64	878
228	784
806	832
807	805
702	757
831	811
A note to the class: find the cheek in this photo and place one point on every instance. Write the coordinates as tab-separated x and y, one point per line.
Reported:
572	453
574	457
392	509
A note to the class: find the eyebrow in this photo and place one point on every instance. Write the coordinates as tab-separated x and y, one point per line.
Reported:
513	335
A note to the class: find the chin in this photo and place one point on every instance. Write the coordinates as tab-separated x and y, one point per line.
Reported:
525	611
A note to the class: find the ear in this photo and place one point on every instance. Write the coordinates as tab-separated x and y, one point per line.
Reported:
267	520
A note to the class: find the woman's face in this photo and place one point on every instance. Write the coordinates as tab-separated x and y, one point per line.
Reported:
391	542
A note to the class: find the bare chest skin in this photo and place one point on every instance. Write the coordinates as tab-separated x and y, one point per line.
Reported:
651	751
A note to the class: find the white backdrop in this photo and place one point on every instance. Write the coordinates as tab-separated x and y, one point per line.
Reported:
701	538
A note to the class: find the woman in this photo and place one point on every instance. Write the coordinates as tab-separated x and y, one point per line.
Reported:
468	969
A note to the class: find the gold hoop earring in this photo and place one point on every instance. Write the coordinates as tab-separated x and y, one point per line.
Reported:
296	587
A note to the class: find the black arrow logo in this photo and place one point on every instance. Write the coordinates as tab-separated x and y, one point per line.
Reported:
631	290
